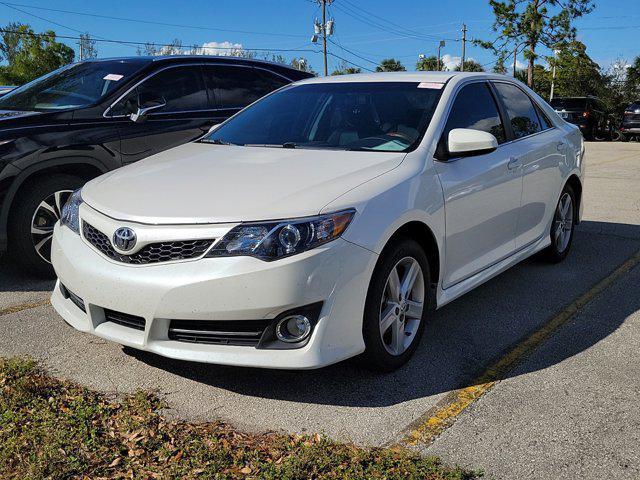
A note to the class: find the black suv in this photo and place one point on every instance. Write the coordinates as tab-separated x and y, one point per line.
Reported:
630	126
588	113
87	118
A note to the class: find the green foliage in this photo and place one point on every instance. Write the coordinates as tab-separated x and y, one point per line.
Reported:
301	64
429	64
632	82
346	71
534	23
470	66
55	429
30	55
390	65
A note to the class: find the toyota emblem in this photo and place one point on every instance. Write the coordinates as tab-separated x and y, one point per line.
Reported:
124	239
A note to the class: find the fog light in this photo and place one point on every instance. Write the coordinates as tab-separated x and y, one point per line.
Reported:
293	328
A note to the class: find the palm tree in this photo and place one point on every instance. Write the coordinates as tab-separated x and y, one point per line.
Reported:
390	65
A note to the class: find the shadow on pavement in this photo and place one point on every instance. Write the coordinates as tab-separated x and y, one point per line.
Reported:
460	340
13	279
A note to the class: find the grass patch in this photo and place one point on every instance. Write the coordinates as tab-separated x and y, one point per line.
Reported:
56	429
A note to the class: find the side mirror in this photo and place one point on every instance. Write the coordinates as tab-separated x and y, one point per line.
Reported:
467	142
214	127
145	107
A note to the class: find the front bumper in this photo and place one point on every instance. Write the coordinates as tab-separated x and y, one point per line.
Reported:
230	289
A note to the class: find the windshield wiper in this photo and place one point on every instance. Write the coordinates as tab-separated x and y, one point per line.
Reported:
217	141
273	145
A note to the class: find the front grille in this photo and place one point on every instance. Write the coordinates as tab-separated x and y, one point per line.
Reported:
124	319
218	332
75	299
152	253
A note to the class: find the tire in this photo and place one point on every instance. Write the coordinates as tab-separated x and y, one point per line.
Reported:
561	245
31	251
384	353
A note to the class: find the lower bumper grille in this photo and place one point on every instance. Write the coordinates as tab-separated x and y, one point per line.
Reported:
77	301
124	319
222	332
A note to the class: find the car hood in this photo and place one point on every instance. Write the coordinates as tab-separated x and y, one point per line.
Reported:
204	183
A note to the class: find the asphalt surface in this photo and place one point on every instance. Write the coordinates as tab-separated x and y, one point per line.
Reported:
349	403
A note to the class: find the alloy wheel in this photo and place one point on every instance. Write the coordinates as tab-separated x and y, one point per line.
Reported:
44	219
563	225
401	306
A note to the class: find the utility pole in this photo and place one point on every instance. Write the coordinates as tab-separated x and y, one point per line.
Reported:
324	35
515	60
464	45
325	29
81	44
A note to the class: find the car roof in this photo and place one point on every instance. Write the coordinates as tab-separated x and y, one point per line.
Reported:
420	76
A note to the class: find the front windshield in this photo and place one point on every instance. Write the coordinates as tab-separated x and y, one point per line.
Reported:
376	116
72	86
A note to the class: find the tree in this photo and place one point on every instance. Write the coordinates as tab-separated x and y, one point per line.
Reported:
499	66
632	81
346	71
87	47
301	64
535	23
30	55
470	66
429	64
576	73
390	65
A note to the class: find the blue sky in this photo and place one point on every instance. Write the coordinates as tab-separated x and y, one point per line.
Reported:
402	29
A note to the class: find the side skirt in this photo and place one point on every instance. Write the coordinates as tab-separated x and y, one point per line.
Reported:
447	295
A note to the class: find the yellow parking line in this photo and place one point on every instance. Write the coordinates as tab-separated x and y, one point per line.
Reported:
434	422
24	306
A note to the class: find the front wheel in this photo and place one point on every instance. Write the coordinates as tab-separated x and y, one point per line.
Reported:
563	226
32	219
396	306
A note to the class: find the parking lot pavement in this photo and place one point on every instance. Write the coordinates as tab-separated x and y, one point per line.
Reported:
571	409
16	288
345	401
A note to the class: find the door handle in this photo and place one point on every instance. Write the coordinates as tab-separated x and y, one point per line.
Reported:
560	146
514	163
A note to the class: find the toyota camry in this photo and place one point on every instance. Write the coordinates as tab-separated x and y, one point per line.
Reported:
325	221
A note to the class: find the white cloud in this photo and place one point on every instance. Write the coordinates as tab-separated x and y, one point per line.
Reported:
220	48
450	62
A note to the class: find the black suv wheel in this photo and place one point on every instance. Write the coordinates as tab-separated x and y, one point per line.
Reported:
36	210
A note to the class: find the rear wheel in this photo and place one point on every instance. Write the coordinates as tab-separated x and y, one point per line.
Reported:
396	306
32	219
562	227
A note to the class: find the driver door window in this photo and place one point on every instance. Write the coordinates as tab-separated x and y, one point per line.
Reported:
181	88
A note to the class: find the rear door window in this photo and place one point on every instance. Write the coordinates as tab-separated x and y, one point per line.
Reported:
236	87
521	112
475	108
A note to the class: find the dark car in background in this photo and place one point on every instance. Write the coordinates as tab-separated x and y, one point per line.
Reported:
630	125
87	118
4	89
588	113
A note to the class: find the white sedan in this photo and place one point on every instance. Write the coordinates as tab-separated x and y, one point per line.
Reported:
327	220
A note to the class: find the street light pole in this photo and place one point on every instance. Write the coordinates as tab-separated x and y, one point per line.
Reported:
464	46
440	45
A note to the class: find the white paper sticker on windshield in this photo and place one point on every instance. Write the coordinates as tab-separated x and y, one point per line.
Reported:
435	85
113	76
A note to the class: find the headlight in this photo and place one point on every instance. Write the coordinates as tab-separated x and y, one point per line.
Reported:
272	240
70	212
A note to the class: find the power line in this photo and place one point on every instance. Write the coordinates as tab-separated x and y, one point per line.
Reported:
128	42
355	15
353	53
149	22
350	62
